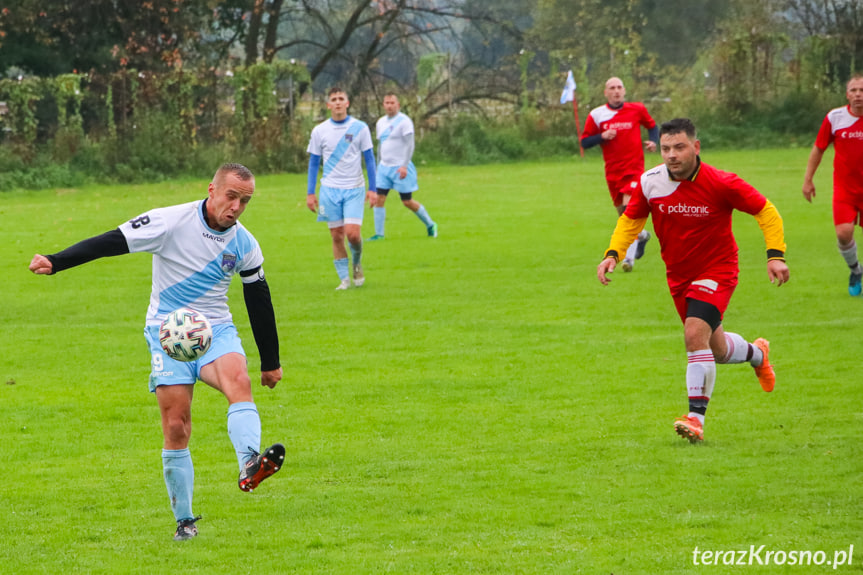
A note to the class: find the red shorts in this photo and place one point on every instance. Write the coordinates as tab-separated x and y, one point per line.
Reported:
716	292
846	207
620	186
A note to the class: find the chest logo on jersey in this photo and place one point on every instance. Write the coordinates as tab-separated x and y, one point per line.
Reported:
349	138
851	135
684	210
229	261
214	238
617	126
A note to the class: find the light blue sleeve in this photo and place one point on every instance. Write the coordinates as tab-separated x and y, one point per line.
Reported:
314	166
369	157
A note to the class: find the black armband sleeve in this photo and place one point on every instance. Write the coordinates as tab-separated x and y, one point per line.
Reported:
591	141
259	305
653	134
111	243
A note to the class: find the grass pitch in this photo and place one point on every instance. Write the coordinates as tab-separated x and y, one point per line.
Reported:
481	405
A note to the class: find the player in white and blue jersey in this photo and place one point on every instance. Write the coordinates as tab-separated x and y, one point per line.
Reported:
341	143
197	249
396	171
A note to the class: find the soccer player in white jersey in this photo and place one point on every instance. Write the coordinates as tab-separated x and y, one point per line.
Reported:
395	133
197	248
341	143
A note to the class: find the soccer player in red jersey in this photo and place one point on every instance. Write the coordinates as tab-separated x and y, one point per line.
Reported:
843	127
691	204
616	127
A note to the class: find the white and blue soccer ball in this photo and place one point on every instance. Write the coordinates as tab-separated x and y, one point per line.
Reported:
185	334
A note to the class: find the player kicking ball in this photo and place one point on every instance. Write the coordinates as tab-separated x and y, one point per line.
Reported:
691	204
197	248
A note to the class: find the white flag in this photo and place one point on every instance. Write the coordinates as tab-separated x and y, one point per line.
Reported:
568	94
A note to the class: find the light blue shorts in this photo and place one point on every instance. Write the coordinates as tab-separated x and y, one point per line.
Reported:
168	371
339	206
387	178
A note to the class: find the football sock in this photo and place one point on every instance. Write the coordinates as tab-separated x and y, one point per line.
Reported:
356	252
423	215
244	429
755	356
380	220
700	379
630	251
342	268
180	480
739	350
642	235
849	254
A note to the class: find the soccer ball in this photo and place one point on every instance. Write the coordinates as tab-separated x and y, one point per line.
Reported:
185	334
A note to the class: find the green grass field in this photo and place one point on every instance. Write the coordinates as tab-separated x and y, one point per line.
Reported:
481	405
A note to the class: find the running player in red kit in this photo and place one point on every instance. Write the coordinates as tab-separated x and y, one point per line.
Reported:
691	204
843	127
616	128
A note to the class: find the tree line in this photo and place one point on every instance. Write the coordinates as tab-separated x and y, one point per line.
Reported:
94	86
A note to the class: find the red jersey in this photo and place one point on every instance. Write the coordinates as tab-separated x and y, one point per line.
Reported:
845	131
623	154
692	220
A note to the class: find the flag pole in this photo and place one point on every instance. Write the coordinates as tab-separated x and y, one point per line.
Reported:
568	95
577	125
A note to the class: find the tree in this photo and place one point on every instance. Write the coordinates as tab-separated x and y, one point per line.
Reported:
599	38
359	44
835	32
675	30
47	37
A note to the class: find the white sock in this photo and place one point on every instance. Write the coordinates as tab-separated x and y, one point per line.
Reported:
698	416
630	251
849	254
738	348
700	379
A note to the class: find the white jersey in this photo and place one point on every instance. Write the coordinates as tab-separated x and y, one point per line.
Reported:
396	140
340	146
192	263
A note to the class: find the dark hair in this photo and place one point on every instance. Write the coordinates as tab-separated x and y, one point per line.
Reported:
336	90
391	95
678	125
239	170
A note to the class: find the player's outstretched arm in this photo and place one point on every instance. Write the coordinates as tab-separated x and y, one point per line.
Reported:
109	244
778	272
604	268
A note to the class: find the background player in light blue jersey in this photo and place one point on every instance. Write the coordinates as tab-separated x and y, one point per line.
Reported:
342	143
395	132
197	248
